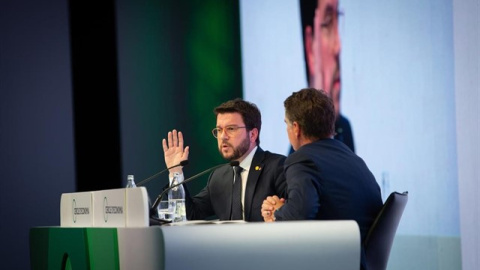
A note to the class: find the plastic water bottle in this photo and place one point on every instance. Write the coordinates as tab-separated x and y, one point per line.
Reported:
176	200
130	182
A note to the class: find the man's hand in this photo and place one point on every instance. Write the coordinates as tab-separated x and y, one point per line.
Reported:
174	151
269	206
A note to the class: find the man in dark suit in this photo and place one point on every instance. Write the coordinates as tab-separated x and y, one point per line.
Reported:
261	174
325	179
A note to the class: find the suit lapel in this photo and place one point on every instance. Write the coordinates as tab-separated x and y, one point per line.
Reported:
253	176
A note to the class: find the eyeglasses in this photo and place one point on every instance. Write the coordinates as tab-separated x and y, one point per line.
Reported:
330	21
230	130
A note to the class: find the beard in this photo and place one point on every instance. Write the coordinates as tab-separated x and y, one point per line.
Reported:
238	152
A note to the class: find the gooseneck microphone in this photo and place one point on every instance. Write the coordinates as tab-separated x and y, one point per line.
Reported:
143	182
159	198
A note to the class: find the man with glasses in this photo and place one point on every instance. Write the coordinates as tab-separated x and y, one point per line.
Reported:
260	172
322	47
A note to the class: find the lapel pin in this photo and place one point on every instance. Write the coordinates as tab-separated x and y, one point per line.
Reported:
258	168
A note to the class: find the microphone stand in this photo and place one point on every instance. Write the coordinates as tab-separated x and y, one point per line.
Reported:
157	221
182	163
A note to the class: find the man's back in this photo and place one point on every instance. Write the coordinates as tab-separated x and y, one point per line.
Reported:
345	187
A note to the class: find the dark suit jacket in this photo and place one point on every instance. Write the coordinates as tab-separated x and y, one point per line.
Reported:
265	178
343	133
327	181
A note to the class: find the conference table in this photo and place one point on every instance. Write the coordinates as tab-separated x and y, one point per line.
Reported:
200	245
111	229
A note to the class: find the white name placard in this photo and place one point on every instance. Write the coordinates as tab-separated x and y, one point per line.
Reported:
125	207
76	209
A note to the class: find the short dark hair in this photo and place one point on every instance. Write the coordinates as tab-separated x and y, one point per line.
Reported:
250	113
307	14
313	110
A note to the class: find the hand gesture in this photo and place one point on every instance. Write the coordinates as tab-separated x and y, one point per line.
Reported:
173	151
269	206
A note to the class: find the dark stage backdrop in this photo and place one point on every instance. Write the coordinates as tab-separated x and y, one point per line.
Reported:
88	90
177	60
36	122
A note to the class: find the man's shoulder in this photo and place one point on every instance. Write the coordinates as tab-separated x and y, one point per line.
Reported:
307	152
266	156
298	156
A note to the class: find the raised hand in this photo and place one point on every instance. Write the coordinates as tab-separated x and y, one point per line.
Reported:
173	150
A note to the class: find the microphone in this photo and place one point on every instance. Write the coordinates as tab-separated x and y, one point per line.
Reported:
143	182
159	198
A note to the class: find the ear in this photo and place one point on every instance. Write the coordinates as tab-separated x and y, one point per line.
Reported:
309	52
253	135
296	129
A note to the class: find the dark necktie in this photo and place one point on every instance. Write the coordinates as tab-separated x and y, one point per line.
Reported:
237	194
